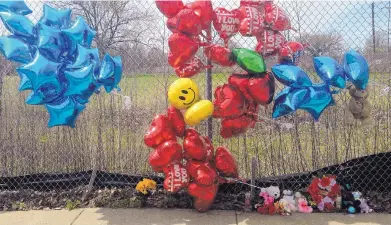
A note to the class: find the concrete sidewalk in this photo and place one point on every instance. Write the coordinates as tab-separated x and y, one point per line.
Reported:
99	216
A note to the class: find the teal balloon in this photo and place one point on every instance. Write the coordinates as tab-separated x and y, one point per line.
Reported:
18	7
86	56
356	69
110	73
17	24
64	112
330	71
55	18
317	99
15	49
80	82
41	71
288	101
79	33
25	83
50	42
48	93
291	75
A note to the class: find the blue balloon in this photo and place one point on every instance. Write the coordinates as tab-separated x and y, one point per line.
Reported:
330	71
17	24
288	101
41	71
86	56
80	82
55	18
356	69
15	49
64	112
18	7
317	99
25	83
50	42
110	73
291	75
46	94
79	33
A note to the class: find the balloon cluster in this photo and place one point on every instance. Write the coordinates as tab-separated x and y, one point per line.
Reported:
301	93
57	62
204	166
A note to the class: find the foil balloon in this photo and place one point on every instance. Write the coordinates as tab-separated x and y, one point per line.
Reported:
356	69
231	127
57	19
190	68
276	18
15	49
270	43
261	88
176	179
219	55
165	153
330	71
226	23
249	60
171	24
291	75
192	167
182	49
169	8
204	10
183	93
194	145
291	52
18	7
240	82
225	163
253	3
17	24
175	117
252	22
288	101
229	102
64	112
188	22
205	175
198	112
317	99
203	192
209	149
159	131
203	203
79	33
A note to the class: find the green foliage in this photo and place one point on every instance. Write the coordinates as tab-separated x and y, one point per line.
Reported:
71	205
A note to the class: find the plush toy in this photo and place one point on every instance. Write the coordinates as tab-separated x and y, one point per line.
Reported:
283	207
273	191
361	202
288	196
302	204
349	202
364	206
358	108
268	206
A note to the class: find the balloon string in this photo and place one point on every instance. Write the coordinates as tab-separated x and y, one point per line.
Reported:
242	182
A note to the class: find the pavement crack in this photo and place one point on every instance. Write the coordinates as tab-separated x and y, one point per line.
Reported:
74	220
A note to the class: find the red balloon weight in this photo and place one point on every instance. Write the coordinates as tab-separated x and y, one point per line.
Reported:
270	43
225	162
205	175
188	22
226	23
262	88
229	102
236	126
177	177
182	49
171	24
160	131
204	10
190	68
169	151
209	149
276	18
252	22
192	167
291	51
194	145
240	81
203	192
169	8
202	205
219	55
176	118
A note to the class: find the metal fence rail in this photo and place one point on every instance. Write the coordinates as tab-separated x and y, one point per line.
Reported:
109	134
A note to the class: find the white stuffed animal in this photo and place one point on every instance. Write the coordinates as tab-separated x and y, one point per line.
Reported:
273	191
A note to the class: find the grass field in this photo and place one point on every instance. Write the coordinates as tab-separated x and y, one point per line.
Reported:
110	136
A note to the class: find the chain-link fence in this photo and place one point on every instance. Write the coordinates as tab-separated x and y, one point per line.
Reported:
109	133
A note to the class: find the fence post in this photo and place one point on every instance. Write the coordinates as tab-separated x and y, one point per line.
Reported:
209	85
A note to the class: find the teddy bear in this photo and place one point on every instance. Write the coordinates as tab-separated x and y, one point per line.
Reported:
361	202
268	206
358	108
288	196
273	191
302	204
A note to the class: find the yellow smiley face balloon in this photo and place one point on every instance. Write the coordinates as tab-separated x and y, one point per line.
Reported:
183	93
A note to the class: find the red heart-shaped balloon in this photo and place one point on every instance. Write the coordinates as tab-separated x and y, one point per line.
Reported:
225	162
176	179
226	23
204	10
190	68
229	102
234	126
169	151
240	81
192	166
262	88
210	151
291	52
252	21
205	175
203	192
182	49
175	116
270	43
188	22
169	8
171	24
276	18
194	145
159	131
253	3
202	205
219	55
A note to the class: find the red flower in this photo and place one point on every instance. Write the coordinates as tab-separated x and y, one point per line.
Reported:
317	198
328	206
313	189
335	191
326	181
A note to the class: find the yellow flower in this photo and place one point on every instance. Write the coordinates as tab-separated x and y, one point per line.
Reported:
146	185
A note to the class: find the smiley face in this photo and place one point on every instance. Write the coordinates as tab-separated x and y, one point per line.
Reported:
183	93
